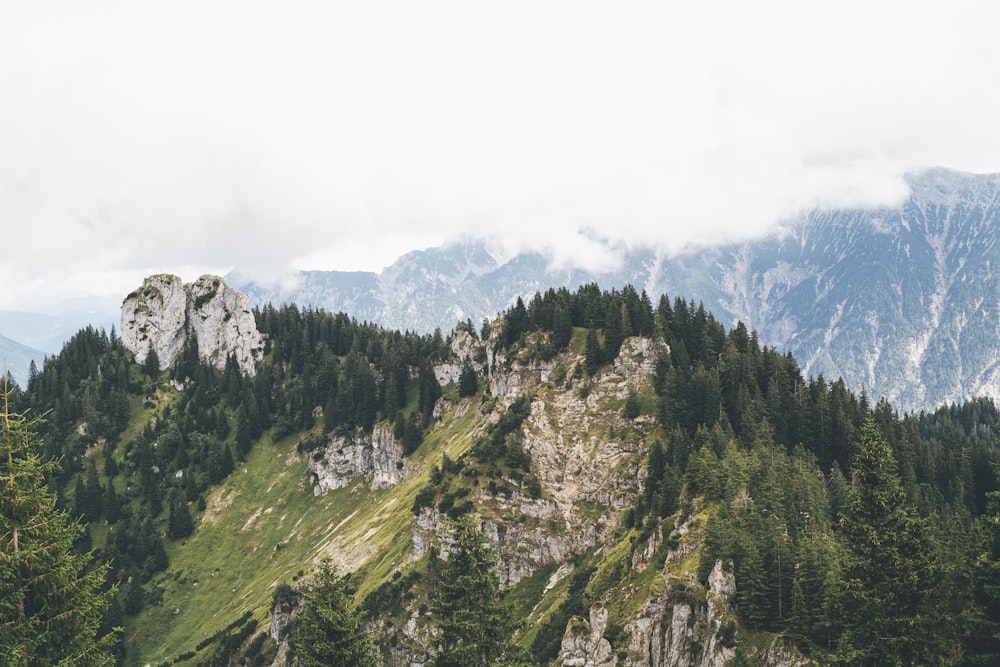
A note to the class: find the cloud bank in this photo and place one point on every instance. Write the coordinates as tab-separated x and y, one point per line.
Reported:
200	136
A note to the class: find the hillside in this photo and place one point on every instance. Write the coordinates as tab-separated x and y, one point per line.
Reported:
900	302
656	490
17	359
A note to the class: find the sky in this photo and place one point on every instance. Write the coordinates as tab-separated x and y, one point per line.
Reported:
191	137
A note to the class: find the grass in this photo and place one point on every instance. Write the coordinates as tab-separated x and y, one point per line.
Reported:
263	525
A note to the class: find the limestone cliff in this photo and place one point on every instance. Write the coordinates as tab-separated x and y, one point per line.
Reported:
585	455
377	457
164	313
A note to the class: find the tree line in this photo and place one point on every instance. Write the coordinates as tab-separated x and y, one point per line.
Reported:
864	536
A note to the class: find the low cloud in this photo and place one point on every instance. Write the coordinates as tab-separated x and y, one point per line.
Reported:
201	137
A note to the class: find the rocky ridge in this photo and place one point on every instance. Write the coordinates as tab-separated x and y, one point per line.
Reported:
588	471
164	313
899	301
587	458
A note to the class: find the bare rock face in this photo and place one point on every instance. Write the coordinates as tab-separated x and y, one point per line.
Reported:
584	644
378	457
588	471
224	324
463	346
154	317
164	313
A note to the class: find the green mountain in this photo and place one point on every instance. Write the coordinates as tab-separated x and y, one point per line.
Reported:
900	300
17	359
649	489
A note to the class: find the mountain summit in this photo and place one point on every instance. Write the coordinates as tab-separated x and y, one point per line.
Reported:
164	314
901	302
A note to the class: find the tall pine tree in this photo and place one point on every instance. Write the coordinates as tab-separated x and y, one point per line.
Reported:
471	611
891	569
51	601
328	631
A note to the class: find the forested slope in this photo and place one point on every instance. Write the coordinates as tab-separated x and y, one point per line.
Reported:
625	464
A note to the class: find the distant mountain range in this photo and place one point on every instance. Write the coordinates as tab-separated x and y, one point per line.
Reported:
16	359
901	302
28	337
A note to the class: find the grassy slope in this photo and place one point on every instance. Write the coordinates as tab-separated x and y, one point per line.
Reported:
263	527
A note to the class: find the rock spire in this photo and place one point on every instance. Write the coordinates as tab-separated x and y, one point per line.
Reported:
164	313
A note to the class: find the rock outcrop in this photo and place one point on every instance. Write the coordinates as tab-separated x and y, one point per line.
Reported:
589	472
164	313
463	346
379	458
584	644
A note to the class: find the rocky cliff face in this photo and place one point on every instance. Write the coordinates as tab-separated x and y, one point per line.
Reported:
588	467
378	458
164	313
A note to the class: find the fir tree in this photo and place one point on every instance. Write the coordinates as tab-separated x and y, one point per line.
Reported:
562	328
151	365
593	352
328	631
983	634
468	383
474	616
890	569
179	522
51	601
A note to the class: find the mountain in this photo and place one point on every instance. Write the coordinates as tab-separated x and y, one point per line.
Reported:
654	490
428	289
164	314
17	359
901	302
27	337
49	331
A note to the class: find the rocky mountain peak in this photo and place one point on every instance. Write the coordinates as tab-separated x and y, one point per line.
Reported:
164	313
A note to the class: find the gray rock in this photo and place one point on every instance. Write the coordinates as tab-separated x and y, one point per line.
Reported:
378	457
164	313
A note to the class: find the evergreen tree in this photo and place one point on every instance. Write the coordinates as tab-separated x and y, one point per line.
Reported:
890	569
631	410
112	505
562	328
244	440
328	631
179	521
614	330
516	323
593	352
468	383
430	391
151	366
983	635
474	616
52	602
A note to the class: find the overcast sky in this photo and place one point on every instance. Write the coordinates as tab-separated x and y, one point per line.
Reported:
198	136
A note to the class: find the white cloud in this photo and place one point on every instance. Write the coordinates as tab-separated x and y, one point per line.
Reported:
197	136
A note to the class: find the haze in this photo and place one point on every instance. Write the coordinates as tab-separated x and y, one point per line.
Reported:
191	137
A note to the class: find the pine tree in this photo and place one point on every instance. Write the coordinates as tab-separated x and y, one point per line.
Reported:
151	365
593	352
179	521
614	334
51	602
328	631
983	634
468	383
890	568
562	328
474	616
